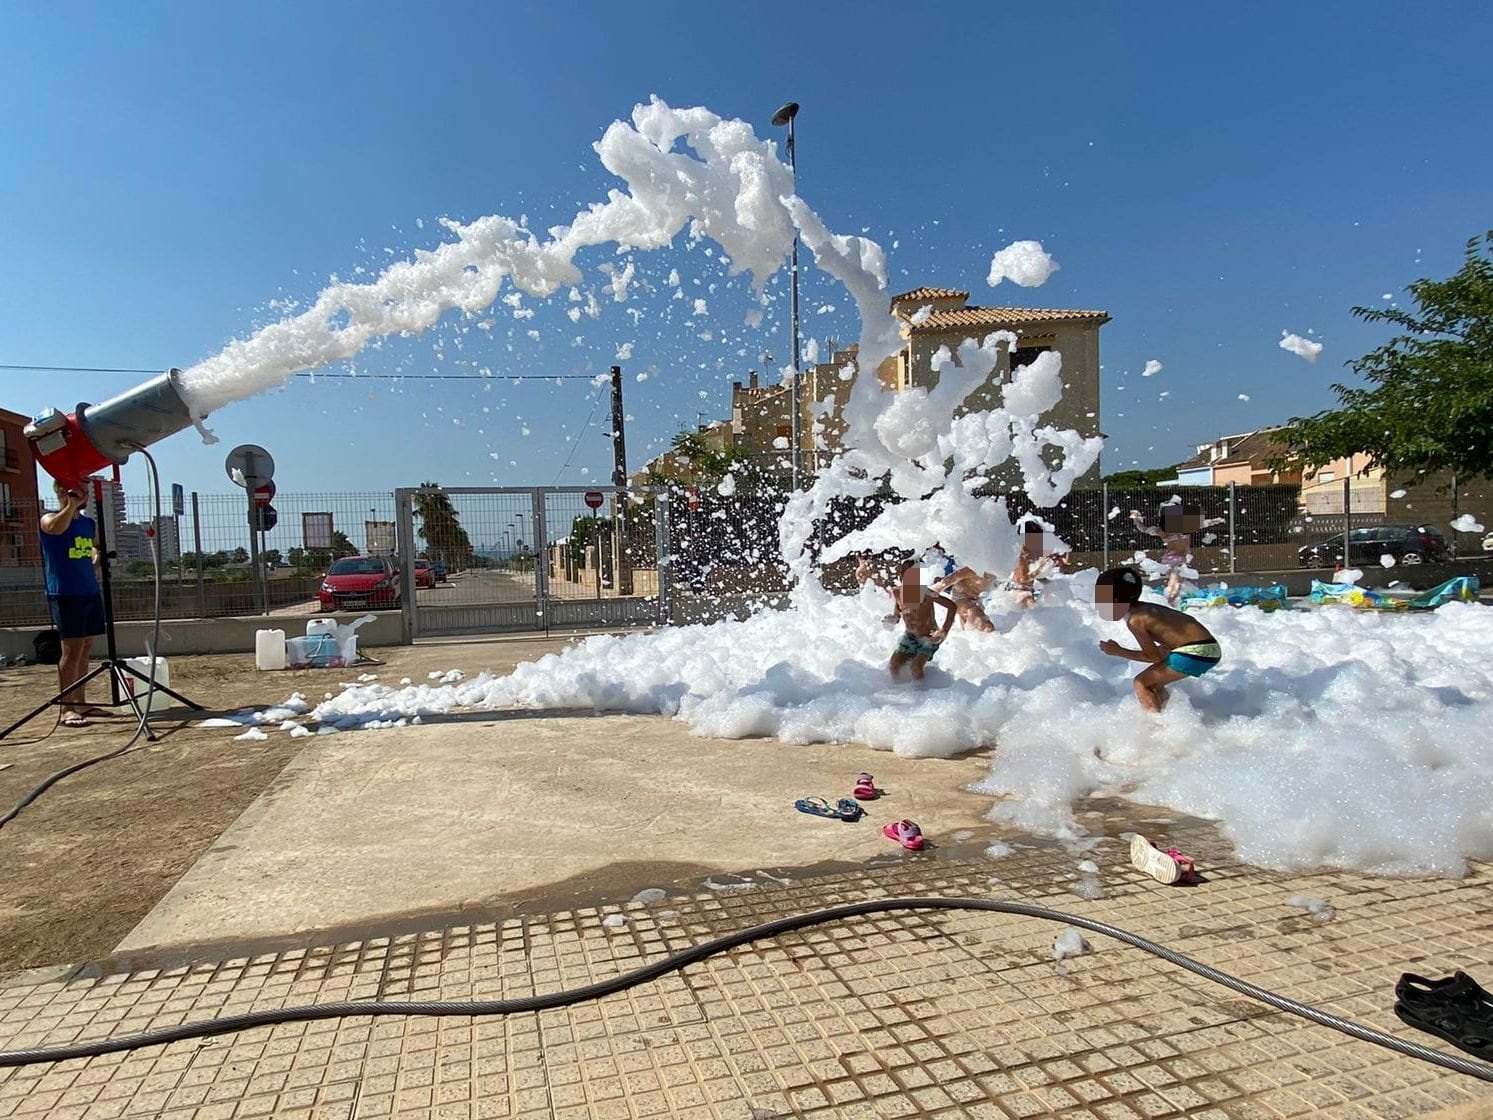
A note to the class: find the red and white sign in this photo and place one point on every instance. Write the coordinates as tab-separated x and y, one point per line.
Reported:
263	494
692	495
594	498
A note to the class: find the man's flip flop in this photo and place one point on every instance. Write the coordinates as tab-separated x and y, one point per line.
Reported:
1169	867
865	788
73	719
816	807
909	835
848	811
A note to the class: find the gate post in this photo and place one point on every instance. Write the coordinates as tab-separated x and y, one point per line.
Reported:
662	537
541	561
404	519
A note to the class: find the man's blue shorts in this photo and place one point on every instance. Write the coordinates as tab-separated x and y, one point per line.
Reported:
77	616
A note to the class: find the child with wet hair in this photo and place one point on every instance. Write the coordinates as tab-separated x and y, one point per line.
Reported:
920	641
1173	644
1034	562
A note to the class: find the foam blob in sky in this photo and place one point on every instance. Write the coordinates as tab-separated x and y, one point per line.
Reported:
1301	347
1022	262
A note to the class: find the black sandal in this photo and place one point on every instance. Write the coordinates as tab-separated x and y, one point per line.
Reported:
1467	1026
1457	990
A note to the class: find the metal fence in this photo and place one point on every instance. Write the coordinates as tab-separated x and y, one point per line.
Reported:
521	558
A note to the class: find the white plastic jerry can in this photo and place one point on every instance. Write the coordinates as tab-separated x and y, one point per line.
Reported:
269	649
138	687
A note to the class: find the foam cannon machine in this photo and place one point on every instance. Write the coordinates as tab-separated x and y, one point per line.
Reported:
74	446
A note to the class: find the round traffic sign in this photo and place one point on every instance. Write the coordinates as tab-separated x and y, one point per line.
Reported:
263	494
249	466
263	518
594	498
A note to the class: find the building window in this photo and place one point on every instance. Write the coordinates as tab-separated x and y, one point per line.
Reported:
1327	476
5	507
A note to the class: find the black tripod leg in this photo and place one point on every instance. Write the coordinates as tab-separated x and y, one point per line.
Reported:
145	678
57	699
142	716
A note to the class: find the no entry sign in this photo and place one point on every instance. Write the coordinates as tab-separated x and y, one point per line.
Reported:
594	498
263	494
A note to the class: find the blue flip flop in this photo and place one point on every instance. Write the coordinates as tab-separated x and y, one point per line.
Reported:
848	810
815	807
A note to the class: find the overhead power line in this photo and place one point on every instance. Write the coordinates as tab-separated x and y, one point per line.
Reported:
313	375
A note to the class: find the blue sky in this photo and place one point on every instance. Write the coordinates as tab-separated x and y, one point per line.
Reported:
1209	177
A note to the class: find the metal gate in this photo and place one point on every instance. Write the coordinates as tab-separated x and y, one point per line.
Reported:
543	558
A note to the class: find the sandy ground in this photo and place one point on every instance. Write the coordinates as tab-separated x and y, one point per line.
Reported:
86	861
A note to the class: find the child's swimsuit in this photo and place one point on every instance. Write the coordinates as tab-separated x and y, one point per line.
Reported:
1194	659
913	645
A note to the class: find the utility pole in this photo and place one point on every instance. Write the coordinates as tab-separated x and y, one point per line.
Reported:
619	480
785	116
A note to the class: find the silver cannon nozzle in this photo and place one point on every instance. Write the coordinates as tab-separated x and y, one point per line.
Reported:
138	418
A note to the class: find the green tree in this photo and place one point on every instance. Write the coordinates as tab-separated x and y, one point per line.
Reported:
341	546
240	555
1429	404
440	528
272	557
1141	478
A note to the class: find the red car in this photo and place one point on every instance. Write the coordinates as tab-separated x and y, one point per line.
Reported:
356	583
424	573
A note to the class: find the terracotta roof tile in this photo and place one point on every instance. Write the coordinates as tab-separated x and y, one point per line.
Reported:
1005	317
929	293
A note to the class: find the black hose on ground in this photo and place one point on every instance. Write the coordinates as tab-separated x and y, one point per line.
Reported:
678	961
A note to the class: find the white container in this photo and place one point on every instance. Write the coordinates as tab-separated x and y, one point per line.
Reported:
138	688
321	626
269	649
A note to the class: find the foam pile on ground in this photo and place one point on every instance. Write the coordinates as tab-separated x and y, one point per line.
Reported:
1340	738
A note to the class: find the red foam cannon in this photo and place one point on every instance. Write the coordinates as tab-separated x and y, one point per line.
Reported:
71	446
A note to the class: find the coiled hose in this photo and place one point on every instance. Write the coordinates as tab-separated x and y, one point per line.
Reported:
678	961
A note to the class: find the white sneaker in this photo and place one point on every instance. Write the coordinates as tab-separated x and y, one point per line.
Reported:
1146	856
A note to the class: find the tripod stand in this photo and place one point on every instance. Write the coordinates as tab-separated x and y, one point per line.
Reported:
121	674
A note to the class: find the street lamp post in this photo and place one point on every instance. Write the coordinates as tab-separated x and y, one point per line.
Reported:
784	116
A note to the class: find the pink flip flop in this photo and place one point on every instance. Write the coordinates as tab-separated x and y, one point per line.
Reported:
865	788
909	835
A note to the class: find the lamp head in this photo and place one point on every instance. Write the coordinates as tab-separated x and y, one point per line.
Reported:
785	114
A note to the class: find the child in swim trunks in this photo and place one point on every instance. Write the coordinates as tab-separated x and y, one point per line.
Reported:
1173	644
915	606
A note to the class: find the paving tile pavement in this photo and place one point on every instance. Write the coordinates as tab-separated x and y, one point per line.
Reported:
918	1014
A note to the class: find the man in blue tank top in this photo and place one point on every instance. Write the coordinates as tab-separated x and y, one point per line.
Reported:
70	560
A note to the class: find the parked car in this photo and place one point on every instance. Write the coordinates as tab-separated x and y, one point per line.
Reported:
440	570
1488	543
1408	544
424	573
356	583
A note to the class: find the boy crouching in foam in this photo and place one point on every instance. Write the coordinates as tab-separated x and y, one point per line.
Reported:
921	640
1173	644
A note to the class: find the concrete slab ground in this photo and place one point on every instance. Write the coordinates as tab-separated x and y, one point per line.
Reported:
483	812
938	1014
